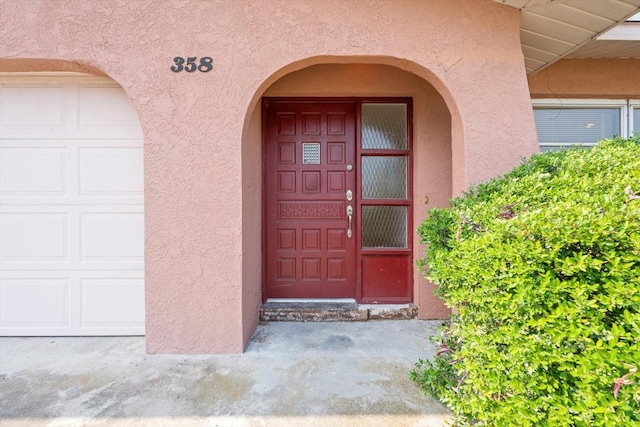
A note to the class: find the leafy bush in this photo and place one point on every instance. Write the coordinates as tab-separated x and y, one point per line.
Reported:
542	268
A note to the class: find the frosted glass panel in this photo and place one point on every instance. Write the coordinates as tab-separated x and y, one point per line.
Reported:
384	177
636	118
384	126
384	226
563	127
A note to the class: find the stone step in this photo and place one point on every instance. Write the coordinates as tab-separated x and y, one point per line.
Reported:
334	312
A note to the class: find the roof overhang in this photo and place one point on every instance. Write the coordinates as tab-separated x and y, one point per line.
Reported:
554	29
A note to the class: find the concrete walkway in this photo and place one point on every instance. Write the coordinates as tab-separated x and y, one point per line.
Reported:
292	374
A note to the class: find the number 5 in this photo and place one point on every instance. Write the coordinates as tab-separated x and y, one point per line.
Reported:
191	66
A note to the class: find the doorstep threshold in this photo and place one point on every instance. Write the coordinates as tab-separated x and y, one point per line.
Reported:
332	310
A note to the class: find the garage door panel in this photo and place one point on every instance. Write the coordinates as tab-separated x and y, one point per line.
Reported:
112	302
32	106
109	143
107	132
110	171
90	207
80	303
34	237
112	237
66	107
34	266
34	303
106	112
71	208
33	171
105	106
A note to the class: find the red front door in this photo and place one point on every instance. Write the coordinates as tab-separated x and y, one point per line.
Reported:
310	192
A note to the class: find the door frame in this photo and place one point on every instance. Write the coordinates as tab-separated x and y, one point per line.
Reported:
358	101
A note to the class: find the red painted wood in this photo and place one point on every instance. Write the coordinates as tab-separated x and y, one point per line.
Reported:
308	253
386	277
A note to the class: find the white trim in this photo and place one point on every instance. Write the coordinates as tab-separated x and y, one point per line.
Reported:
634	18
38	79
625	31
578	102
634	104
45	74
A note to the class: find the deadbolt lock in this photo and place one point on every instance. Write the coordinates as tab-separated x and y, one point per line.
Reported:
349	195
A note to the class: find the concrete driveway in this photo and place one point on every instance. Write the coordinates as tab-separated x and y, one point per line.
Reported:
292	374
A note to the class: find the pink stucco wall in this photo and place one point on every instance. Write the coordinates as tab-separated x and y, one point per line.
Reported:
203	237
588	78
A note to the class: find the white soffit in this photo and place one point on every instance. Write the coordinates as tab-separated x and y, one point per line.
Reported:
608	49
628	30
553	29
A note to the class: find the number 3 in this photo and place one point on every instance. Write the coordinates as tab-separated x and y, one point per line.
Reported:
178	67
204	67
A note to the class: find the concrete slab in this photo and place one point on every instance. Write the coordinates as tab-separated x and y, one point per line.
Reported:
292	374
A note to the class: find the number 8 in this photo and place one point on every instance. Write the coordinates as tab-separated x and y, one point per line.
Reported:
205	64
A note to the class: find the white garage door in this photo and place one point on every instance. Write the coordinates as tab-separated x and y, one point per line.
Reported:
71	208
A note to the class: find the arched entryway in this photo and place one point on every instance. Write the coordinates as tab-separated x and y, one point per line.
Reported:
432	152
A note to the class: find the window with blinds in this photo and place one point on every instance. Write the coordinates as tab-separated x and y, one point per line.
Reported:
563	123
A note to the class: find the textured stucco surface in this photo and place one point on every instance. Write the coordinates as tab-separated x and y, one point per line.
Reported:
588	78
203	236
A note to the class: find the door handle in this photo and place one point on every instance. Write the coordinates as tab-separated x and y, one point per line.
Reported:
350	216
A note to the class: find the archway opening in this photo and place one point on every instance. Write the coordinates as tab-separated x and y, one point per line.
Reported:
437	143
73	202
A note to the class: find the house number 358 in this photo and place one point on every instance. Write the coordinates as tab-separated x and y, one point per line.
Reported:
190	65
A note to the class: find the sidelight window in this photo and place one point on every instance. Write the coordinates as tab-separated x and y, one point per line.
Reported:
384	175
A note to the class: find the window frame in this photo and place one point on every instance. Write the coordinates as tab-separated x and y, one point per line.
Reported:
634	104
407	153
623	105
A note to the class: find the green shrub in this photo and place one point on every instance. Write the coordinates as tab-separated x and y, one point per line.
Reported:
542	267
